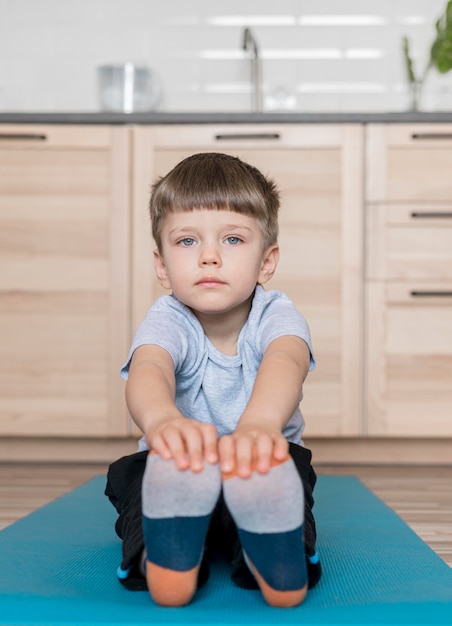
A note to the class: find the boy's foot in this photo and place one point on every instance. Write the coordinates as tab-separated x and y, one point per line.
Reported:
177	506
269	512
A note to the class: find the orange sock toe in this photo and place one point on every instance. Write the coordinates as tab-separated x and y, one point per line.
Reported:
170	587
276	598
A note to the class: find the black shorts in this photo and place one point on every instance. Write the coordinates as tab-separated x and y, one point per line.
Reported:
124	491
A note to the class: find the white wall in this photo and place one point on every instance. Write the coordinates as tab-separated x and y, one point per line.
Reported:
318	55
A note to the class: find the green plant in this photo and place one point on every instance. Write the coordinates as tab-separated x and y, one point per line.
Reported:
440	51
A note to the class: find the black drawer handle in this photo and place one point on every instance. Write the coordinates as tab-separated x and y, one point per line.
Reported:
431	294
431	136
23	137
431	214
247	136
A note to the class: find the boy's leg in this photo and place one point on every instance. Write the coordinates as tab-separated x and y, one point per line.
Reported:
302	458
177	506
124	491
269	512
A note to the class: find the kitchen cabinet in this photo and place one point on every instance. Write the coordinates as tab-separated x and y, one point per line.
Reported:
366	255
409	281
64	279
319	170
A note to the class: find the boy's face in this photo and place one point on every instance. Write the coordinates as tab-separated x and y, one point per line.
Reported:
212	260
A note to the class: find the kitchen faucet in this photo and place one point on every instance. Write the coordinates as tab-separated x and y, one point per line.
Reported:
250	44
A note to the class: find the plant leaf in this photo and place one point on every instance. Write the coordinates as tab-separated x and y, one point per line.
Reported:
441	50
408	61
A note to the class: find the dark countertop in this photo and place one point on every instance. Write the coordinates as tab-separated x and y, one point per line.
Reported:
225	118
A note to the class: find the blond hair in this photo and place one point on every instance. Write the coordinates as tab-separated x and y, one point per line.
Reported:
211	180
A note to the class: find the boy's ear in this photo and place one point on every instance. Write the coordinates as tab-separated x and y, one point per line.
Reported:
160	270
269	264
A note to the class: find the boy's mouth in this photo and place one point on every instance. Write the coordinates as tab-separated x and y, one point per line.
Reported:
209	281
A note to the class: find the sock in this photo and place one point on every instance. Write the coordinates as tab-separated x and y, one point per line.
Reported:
177	506
269	512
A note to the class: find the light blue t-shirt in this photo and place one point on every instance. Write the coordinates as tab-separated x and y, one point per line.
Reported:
212	387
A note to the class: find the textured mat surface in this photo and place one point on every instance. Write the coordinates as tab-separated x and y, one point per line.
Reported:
57	567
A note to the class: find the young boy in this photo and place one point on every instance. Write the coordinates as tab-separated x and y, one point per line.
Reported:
214	380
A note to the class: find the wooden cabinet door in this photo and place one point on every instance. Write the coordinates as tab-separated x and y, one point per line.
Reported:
409	162
409	242
64	323
409	359
319	172
409	280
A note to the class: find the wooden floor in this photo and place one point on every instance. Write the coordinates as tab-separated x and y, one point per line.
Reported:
422	496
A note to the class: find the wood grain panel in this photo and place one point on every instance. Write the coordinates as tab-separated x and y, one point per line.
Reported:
64	256
409	377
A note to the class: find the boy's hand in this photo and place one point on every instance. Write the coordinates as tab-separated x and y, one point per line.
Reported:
186	441
251	447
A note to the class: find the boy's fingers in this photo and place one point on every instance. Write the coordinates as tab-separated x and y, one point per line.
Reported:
201	443
194	445
263	452
158	446
247	452
236	455
210	441
244	446
281	449
187	442
226	451
174	440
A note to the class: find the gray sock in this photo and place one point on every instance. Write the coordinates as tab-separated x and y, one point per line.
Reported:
177	506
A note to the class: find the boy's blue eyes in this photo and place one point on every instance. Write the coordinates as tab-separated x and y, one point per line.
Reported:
189	241
233	241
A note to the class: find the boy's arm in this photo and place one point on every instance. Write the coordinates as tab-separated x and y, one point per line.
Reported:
150	396
275	396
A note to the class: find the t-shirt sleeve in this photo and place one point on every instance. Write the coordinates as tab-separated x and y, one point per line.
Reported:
280	318
164	329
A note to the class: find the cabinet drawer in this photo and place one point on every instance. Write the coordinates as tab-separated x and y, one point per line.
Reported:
406	242
409	359
39	137
409	162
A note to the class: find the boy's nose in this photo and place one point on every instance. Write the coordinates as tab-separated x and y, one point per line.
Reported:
209	256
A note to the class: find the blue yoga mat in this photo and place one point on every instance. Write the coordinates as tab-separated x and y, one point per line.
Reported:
57	567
